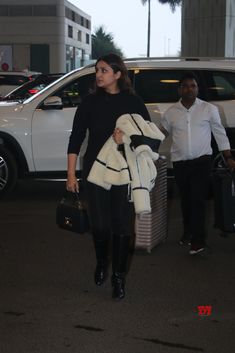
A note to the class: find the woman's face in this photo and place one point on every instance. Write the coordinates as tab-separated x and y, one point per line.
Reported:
106	78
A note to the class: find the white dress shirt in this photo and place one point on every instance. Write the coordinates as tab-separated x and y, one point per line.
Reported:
191	130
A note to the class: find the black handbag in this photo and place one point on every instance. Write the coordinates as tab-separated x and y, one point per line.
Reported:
71	213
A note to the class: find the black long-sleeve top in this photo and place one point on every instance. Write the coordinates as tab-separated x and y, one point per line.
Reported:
98	114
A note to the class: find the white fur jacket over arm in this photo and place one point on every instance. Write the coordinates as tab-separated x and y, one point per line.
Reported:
141	141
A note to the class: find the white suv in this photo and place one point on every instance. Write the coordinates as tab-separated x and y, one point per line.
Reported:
34	134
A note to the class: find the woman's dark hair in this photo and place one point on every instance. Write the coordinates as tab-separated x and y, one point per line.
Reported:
117	64
188	75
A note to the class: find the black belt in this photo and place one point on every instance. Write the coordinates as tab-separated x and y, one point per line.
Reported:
198	159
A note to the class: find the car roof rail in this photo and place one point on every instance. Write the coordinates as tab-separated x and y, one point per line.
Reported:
143	58
207	58
186	58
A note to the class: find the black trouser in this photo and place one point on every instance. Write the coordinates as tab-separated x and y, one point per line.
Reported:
109	210
192	178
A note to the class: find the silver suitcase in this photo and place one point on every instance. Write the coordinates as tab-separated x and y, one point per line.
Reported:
151	228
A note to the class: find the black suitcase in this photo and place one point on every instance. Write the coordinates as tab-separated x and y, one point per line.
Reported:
224	199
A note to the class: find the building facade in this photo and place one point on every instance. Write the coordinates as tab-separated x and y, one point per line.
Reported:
43	35
208	28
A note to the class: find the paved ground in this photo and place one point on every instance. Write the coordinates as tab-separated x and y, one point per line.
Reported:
49	303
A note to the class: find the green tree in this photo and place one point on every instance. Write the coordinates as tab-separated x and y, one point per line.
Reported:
172	3
102	43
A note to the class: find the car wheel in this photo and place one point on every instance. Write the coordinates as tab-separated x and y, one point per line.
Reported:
8	171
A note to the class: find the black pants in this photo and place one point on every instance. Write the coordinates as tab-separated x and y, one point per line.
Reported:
192	178
110	211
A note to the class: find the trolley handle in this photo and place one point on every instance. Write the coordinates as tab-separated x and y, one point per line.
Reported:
220	163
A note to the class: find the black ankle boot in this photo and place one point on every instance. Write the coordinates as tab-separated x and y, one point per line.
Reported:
118	283
100	275
101	250
120	256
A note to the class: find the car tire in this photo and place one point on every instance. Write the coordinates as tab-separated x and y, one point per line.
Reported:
8	171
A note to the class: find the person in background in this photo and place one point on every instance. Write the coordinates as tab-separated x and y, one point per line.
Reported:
110	211
191	122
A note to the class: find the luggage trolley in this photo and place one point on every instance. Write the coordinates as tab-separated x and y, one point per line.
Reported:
224	195
151	228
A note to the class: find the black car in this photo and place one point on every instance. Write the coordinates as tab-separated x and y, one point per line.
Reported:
30	88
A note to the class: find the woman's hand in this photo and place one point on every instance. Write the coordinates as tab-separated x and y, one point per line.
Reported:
118	136
72	183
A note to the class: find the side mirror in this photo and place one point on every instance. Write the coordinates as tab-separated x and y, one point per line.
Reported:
52	102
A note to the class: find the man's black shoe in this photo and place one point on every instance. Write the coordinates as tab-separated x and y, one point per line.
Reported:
185	240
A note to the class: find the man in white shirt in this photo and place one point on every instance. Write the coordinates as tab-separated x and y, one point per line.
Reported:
191	122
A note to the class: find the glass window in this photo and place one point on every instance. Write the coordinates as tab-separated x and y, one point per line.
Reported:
70	31
70	58
87	38
157	86
79	36
88	25
44	10
161	86
13	80
78	57
73	93
3	10
220	85
77	18
73	16
20	10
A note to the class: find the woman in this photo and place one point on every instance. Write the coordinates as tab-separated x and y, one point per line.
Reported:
110	211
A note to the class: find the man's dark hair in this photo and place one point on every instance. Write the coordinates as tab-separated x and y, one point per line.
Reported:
188	75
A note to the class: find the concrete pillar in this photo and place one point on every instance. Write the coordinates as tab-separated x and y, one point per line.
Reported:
208	28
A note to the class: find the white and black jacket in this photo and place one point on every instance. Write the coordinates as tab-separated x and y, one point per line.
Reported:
135	166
